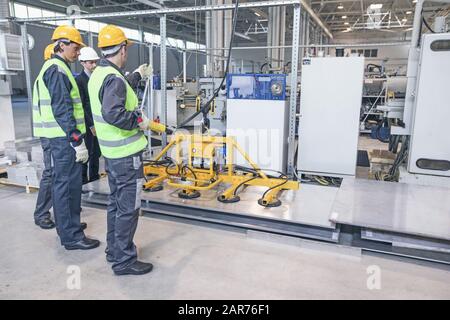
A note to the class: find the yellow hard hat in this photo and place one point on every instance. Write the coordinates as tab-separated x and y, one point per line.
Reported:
69	33
49	50
111	36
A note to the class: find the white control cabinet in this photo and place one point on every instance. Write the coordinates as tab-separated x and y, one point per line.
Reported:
430	141
260	128
331	95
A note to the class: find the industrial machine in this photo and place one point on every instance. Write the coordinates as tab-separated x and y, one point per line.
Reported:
217	115
257	117
430	147
203	162
185	99
424	112
11	61
330	105
187	102
181	102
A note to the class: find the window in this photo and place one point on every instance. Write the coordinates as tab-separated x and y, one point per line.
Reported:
368	53
440	45
131	33
34	12
20	10
46	13
26	11
82	24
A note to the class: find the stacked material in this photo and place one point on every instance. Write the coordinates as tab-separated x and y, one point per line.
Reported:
10	150
24	174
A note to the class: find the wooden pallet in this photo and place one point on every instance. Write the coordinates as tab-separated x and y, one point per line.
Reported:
29	188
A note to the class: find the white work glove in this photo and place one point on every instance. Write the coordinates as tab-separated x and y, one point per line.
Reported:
145	71
82	153
145	123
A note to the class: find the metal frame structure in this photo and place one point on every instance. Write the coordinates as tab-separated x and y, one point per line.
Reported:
162	13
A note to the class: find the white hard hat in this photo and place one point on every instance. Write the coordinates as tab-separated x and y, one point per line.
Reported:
88	54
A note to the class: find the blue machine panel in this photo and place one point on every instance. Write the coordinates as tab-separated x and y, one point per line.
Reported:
256	86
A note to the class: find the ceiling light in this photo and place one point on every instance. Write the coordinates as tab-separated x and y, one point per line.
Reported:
346	23
408	12
256	13
404	20
344	17
414	1
340	7
376	6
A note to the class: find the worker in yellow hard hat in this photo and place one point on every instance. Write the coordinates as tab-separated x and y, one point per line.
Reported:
88	59
49	51
120	127
57	100
42	216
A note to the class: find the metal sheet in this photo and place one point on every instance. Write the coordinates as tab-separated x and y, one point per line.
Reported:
397	207
310	205
403	241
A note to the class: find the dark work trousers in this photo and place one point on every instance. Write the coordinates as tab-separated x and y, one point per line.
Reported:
90	169
67	184
44	200
125	178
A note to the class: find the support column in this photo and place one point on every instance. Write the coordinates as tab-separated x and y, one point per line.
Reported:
218	41
293	97
209	43
276	35
227	28
26	58
163	34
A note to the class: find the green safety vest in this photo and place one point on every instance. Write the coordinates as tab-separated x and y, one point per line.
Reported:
115	143
44	122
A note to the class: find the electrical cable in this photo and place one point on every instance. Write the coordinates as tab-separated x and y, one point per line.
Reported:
277	186
242	184
427	25
205	109
192	171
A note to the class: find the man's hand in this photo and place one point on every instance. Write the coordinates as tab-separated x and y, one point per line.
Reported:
145	71
144	123
82	153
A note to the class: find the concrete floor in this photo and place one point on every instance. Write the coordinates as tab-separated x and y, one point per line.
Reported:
197	262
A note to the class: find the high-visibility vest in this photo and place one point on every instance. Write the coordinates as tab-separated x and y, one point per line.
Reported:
44	122
115	143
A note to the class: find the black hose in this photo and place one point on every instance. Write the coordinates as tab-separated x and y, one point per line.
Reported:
243	183
183	170
205	109
282	176
277	186
427	25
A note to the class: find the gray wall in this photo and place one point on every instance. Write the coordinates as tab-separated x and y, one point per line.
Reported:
138	54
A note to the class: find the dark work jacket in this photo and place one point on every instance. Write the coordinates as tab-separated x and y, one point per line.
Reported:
113	94
82	81
59	87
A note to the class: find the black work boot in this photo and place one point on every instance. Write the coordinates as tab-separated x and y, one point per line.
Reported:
137	268
45	224
84	244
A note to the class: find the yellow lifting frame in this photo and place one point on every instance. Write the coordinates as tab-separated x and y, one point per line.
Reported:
203	146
